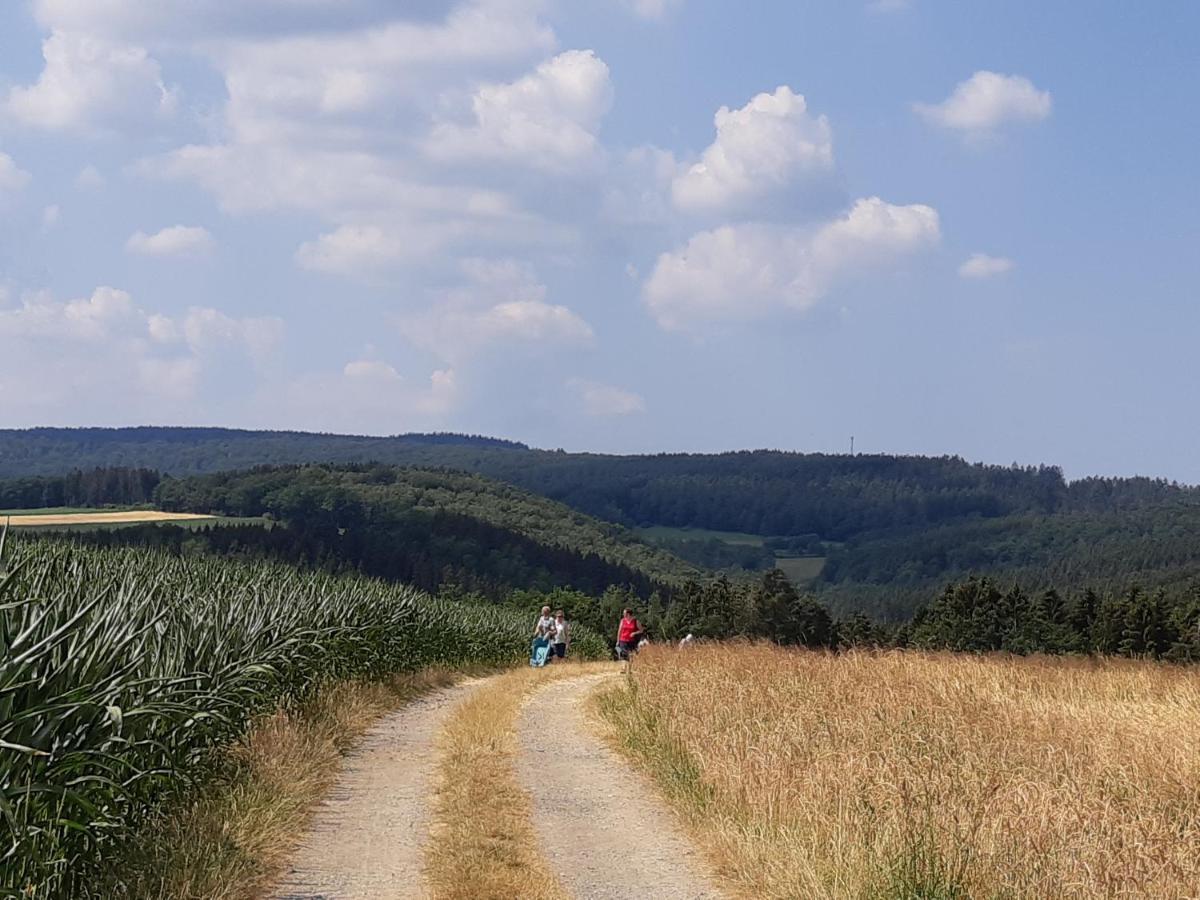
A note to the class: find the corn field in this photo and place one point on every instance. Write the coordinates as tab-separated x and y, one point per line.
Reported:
122	671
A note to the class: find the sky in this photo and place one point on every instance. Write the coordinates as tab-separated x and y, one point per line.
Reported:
615	225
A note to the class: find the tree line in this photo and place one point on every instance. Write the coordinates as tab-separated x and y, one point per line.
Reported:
90	488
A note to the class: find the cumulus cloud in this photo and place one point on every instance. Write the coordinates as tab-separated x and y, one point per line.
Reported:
501	302
747	271
12	176
362	249
604	400
986	101
110	315
91	84
980	265
546	120
94	318
771	143
178	240
365	395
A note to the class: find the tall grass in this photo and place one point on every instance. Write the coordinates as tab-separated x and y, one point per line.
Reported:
122	670
809	775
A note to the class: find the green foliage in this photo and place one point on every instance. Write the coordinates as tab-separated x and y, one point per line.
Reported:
978	615
97	487
122	671
354	498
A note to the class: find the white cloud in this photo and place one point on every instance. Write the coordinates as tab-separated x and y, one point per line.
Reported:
987	101
163	329
546	120
501	302
338	84
103	315
177	377
365	251
655	9
89	178
12	176
90	84
178	240
769	144
50	216
207	330
113	362
110	316
366	395
604	400
980	265
747	271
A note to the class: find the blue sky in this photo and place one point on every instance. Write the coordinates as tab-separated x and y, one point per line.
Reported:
617	225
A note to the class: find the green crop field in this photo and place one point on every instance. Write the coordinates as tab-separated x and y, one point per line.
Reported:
801	569
121	671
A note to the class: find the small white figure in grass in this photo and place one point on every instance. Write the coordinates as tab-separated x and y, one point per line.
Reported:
687	640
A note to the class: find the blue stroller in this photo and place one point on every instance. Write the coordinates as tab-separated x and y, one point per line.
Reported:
540	654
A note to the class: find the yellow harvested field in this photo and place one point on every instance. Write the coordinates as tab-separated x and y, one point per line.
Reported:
102	518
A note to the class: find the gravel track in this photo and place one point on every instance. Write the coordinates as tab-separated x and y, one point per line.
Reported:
600	824
367	837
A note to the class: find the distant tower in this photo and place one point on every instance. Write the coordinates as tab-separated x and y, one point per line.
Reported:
851	445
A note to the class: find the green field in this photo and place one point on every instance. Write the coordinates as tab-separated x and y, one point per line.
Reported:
801	569
667	533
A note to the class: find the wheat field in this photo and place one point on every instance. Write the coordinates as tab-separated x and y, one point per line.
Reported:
901	774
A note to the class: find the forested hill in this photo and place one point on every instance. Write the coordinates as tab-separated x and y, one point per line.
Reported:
835	497
366	501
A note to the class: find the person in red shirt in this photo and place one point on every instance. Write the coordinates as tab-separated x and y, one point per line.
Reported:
628	633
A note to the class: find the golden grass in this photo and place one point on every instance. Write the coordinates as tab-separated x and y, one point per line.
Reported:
482	844
807	775
100	518
233	840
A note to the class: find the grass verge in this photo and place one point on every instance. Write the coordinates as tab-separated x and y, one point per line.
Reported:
483	844
231	841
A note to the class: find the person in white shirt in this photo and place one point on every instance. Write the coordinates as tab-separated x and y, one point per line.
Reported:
543	633
545	625
560	640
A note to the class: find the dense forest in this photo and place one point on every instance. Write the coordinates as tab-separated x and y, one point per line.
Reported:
760	492
893	531
94	487
354	498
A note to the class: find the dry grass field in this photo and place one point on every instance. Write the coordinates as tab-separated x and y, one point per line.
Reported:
126	517
807	775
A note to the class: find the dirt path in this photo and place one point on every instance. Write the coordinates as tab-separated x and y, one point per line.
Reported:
594	815
367	838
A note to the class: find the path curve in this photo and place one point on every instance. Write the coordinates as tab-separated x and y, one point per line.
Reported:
367	837
594	815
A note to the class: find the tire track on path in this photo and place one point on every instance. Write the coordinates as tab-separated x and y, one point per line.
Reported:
600	823
367	838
